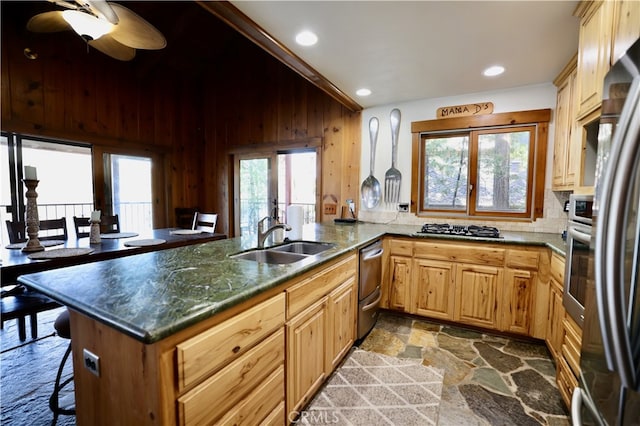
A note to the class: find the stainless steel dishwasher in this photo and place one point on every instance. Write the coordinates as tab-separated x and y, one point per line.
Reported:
369	293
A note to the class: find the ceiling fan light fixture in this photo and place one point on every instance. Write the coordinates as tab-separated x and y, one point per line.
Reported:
87	25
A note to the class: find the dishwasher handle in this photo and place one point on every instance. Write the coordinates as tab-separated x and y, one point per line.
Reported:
371	254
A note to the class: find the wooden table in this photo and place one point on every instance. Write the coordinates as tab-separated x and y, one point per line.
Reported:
15	262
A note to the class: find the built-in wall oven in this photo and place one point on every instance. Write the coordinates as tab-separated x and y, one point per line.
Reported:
579	257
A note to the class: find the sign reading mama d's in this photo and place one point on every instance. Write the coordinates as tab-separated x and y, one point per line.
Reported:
465	110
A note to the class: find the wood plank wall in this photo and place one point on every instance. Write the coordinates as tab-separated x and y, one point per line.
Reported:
193	118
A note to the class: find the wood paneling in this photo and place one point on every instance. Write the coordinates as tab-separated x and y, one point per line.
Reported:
209	92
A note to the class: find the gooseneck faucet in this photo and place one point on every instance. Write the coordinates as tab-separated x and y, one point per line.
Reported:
262	235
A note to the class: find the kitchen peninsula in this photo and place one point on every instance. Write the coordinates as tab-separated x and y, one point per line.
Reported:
180	328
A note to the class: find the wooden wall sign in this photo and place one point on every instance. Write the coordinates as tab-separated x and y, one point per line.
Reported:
465	110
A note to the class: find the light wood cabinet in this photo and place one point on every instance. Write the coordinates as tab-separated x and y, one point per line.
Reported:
568	366
400	282
517	300
565	154
306	354
320	329
626	27
477	295
433	292
594	53
342	305
555	330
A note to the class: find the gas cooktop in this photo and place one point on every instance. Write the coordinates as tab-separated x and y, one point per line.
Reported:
462	230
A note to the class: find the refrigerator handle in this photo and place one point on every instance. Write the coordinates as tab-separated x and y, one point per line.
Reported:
579	400
611	237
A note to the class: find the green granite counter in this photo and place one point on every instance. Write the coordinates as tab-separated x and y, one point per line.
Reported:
153	295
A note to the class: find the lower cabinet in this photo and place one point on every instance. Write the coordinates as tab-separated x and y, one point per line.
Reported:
320	329
497	286
478	289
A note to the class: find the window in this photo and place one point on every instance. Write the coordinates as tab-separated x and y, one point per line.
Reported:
494	168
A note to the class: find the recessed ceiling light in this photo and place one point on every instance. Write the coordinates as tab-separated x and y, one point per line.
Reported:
306	38
493	71
363	92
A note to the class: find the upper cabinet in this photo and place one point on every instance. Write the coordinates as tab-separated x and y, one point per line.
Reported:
626	26
594	52
565	155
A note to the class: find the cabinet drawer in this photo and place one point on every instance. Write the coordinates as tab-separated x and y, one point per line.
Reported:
214	397
205	353
557	268
474	254
522	259
572	344
401	247
311	289
260	403
566	381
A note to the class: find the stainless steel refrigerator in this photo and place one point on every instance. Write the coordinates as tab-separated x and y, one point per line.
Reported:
609	391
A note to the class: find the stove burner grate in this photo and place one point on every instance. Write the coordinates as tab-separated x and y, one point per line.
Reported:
470	231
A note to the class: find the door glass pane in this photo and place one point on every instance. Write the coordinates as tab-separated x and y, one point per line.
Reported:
297	183
131	192
65	187
446	162
254	193
503	171
5	188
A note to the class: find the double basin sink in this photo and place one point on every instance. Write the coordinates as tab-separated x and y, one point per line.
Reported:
284	253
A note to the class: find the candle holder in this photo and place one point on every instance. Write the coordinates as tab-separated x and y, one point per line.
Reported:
94	232
33	223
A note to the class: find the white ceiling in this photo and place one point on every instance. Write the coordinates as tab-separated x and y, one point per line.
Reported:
411	50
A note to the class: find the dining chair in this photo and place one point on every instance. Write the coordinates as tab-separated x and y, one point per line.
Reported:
109	224
16	231
185	216
55	229
82	226
20	302
205	222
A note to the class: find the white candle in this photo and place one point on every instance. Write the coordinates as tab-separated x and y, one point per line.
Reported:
30	173
95	215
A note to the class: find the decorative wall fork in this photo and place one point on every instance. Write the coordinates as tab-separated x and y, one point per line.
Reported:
393	177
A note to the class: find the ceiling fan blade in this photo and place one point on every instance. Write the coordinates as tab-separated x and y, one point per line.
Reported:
133	31
102	9
107	45
48	22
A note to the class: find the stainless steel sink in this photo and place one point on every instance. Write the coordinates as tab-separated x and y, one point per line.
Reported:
269	256
285	253
303	247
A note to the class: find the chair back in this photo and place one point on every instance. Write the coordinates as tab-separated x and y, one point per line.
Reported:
109	224
205	222
185	217
82	226
56	229
16	231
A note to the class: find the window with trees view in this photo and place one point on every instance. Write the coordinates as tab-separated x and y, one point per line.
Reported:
493	168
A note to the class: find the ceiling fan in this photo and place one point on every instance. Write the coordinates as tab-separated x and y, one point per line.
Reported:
108	27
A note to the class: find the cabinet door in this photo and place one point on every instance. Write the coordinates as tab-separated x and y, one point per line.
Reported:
517	300
555	331
342	323
433	289
626	26
477	291
400	284
306	354
564	163
593	55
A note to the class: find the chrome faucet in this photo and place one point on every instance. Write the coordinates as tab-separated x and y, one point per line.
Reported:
262	235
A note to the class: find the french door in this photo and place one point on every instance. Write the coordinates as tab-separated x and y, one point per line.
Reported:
266	183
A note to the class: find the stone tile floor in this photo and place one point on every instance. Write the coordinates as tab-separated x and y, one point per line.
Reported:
488	379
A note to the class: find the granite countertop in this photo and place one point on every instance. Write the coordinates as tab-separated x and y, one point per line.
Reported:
153	295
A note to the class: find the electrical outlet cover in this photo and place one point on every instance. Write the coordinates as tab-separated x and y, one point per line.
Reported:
91	362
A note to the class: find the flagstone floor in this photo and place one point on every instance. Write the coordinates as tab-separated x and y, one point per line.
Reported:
488	379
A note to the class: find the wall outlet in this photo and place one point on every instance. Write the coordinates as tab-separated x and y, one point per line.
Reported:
330	208
403	207
91	362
